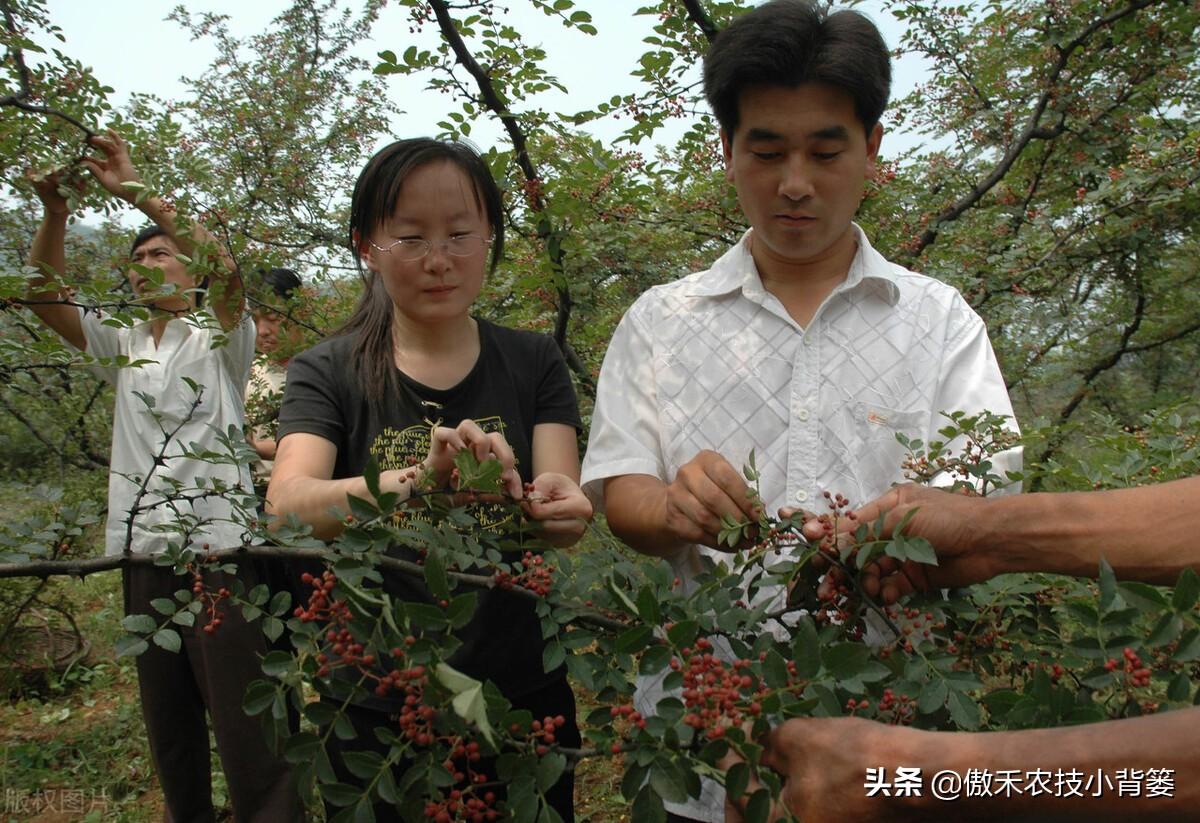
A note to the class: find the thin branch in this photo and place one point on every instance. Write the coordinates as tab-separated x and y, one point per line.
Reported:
1034	129
699	16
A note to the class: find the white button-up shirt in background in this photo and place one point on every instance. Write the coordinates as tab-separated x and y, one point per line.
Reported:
185	350
714	361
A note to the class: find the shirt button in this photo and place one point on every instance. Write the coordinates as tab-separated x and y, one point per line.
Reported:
802	496
802	415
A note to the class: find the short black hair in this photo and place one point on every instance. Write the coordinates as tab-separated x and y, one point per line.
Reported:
282	281
147	234
792	42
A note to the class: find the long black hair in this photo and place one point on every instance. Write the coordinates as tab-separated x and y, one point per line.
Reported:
374	200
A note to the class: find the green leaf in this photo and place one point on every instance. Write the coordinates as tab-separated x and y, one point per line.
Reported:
683	633
758	808
933	696
737	778
139	623
363	764
845	660
435	576
775	671
654	660
667	781
468	702
647	605
806	649
648	807
1108	585
130	645
1180	688
1142	596
964	711
163	605
259	696
277	663
1187	591
553	656
1189	646
549	768
167	639
633	640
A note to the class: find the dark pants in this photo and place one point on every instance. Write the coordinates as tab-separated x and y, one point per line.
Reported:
552	700
211	672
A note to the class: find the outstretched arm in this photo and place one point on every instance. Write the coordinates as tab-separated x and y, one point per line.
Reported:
1146	533
825	763
114	169
302	484
49	257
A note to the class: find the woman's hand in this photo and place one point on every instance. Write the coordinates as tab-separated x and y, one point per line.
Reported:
447	442
557	502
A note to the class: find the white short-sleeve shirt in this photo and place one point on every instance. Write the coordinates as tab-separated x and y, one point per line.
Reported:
714	361
192	347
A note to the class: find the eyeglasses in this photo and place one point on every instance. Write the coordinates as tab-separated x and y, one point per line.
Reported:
411	249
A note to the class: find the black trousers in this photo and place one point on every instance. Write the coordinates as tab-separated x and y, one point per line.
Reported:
552	700
209	674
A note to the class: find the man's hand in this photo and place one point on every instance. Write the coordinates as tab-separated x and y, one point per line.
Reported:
824	763
114	168
47	186
705	489
557	502
949	521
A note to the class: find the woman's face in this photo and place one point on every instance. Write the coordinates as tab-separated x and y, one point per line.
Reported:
437	204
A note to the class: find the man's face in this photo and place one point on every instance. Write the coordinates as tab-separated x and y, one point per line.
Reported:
267	324
799	160
160	253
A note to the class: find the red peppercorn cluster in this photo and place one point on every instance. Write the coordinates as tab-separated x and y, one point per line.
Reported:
913	623
719	695
416	718
1136	674
632	717
546	731
460	805
897	710
211	601
535	575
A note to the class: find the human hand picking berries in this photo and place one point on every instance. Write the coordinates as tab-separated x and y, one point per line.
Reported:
560	506
50	186
446	442
114	169
949	521
706	490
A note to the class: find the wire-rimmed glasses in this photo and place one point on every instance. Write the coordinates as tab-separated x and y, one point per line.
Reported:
410	249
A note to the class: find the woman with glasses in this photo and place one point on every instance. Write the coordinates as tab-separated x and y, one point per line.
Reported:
414	377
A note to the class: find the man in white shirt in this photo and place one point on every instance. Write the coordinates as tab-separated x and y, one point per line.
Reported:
157	486
802	343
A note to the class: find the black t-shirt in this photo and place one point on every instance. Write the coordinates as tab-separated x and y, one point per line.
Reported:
519	381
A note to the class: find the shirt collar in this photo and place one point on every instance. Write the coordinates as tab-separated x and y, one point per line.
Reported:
735	269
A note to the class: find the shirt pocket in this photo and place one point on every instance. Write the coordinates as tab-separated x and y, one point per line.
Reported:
879	453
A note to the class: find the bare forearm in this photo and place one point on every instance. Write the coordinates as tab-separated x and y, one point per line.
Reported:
48	254
636	509
1147	533
318	502
1169	743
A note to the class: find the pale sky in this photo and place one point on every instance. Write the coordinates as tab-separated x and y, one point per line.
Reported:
132	47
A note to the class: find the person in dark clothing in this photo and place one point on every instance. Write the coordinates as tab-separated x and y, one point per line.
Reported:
413	378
